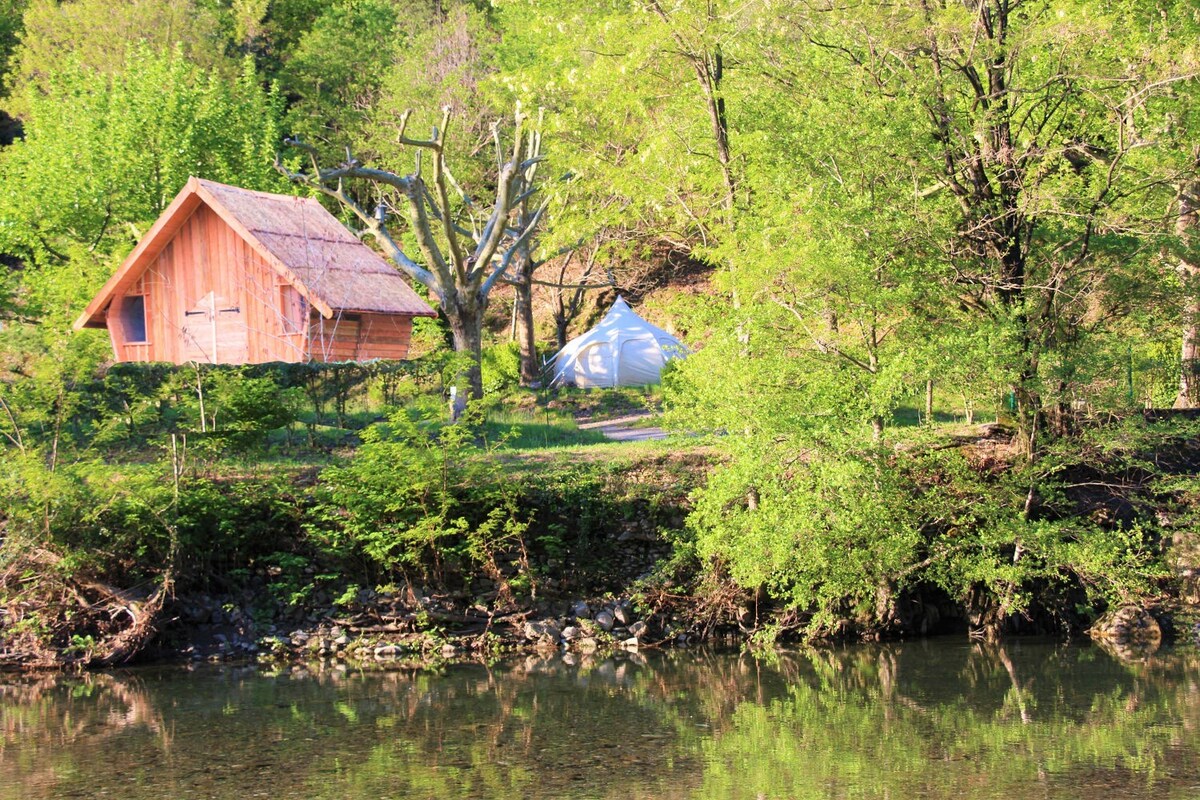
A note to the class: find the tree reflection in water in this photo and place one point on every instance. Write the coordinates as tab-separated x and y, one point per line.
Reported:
932	719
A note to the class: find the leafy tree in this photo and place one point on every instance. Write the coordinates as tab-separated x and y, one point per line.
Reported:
331	84
99	35
338	98
926	193
1036	152
11	23
838	534
638	99
1176	120
1187	227
104	154
272	30
631	95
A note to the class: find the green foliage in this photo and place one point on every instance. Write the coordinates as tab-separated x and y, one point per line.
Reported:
501	367
404	498
837	533
250	407
123	408
421	497
291	580
444	58
123	524
80	645
11	24
327	71
820	536
45	399
104	154
874	217
100	35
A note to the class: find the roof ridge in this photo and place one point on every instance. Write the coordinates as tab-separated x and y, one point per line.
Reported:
259	192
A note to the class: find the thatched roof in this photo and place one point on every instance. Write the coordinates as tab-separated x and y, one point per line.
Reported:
294	235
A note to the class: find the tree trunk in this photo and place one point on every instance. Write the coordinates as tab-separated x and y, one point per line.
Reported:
1189	368
1186	225
1029	418
711	72
986	174
929	401
523	314
1060	412
460	267
560	330
466	327
873	368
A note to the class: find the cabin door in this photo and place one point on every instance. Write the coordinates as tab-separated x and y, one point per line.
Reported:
214	332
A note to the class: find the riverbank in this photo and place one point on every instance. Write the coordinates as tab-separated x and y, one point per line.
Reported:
287	565
410	626
424	549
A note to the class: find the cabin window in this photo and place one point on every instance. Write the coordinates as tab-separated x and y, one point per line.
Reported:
133	318
291	309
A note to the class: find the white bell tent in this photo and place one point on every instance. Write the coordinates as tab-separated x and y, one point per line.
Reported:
623	350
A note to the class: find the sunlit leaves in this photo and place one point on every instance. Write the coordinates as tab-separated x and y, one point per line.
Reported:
104	154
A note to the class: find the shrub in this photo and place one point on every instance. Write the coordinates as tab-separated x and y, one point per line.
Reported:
839	536
501	367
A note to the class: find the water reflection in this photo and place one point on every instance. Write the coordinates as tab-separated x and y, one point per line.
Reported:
933	719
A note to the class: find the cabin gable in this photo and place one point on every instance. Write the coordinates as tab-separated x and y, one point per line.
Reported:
209	297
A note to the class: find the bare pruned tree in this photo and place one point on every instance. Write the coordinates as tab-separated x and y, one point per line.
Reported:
464	248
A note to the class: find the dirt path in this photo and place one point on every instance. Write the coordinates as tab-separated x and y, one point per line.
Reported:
624	429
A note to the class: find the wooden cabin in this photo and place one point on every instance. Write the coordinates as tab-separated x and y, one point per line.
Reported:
233	276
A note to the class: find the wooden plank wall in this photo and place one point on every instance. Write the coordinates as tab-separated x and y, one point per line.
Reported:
207	257
385	336
360	337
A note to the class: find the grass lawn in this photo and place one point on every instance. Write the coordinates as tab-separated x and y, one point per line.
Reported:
947	409
537	428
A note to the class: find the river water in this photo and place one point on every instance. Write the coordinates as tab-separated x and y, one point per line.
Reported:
934	719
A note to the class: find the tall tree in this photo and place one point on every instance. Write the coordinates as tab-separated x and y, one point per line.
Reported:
638	99
11	24
99	35
698	35
331	85
12	13
1031	131
831	261
1187	228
